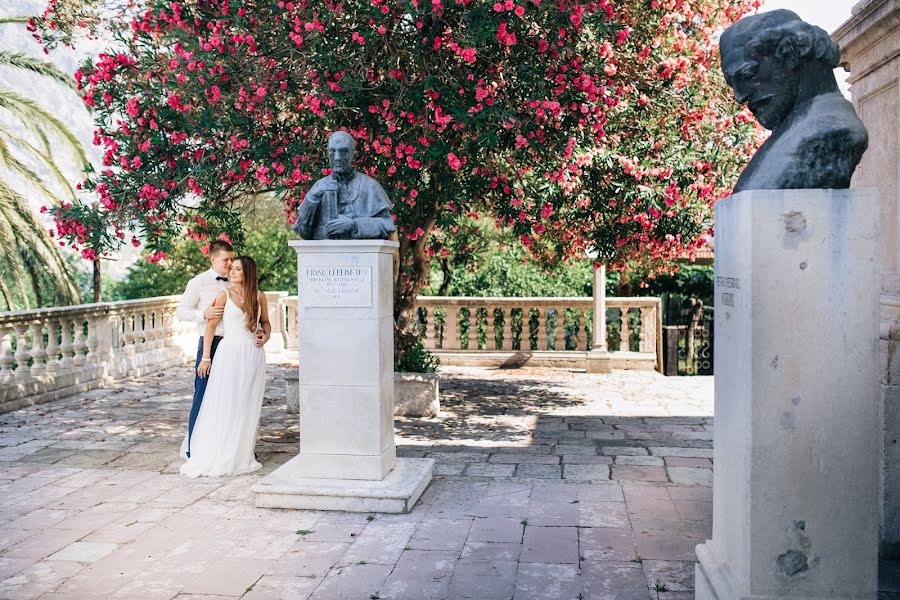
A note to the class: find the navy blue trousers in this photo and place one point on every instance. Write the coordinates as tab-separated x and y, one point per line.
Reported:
199	387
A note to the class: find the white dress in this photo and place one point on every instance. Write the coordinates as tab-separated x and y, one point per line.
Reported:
224	435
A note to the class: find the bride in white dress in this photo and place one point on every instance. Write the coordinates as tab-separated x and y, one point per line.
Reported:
224	435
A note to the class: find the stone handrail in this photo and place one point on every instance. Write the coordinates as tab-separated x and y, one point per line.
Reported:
52	352
501	323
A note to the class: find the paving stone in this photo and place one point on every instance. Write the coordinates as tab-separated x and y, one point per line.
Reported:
539	471
227	576
697	494
694	509
602	514
352	582
579	459
588	450
490	470
553	514
550	545
624	451
480	580
613	581
668	545
43	544
490	551
600	492
381	543
683	452
90	458
496	529
521	458
586	472
681	461
84	552
420	575
279	587
674	576
38	579
690	476
639	461
458	457
539	581
633	473
449	468
443	534
309	559
606	544
12	566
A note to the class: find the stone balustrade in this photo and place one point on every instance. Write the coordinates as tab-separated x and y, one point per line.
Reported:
487	331
53	352
50	353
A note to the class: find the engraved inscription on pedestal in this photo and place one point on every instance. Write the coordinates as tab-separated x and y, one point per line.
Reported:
340	287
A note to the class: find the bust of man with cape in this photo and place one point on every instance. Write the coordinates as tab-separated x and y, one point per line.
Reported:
345	205
782	68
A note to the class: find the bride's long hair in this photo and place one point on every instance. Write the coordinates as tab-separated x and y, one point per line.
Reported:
250	289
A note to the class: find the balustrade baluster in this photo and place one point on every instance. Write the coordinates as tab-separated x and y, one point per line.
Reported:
648	330
429	327
93	339
451	329
579	337
79	343
490	330
66	349
52	345
22	354
6	357
625	331
37	350
507	329
129	324
541	328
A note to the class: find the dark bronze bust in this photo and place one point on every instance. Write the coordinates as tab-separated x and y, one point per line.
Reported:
345	205
782	68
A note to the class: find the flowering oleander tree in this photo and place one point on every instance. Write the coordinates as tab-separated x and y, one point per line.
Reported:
579	124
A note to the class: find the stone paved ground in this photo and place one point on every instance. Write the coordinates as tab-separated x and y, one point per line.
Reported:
550	485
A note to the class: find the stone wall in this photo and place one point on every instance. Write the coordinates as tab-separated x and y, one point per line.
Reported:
870	51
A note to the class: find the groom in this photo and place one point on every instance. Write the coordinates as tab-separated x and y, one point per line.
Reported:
197	307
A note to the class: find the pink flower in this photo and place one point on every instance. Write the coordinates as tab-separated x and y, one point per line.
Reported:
453	161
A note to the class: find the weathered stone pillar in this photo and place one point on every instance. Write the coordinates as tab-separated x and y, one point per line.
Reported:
347	458
598	359
795	484
869	43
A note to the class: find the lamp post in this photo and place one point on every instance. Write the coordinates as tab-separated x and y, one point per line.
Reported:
598	359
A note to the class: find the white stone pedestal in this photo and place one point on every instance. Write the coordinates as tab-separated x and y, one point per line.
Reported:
347	458
795	488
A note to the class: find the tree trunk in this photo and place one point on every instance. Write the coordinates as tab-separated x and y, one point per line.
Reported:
411	275
447	274
98	288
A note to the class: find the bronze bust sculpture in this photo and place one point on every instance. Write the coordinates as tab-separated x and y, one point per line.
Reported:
345	205
782	68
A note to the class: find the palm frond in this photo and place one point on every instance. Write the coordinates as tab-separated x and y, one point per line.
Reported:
43	68
34	116
44	157
23	237
23	20
14	164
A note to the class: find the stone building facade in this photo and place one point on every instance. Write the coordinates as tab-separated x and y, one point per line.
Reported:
870	51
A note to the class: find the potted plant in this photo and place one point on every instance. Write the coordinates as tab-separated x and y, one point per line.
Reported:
416	391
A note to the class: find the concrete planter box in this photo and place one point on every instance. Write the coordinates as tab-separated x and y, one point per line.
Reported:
416	394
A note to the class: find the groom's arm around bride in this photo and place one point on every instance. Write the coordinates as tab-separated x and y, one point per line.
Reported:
196	306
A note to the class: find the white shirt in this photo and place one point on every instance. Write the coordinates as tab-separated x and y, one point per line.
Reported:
200	293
